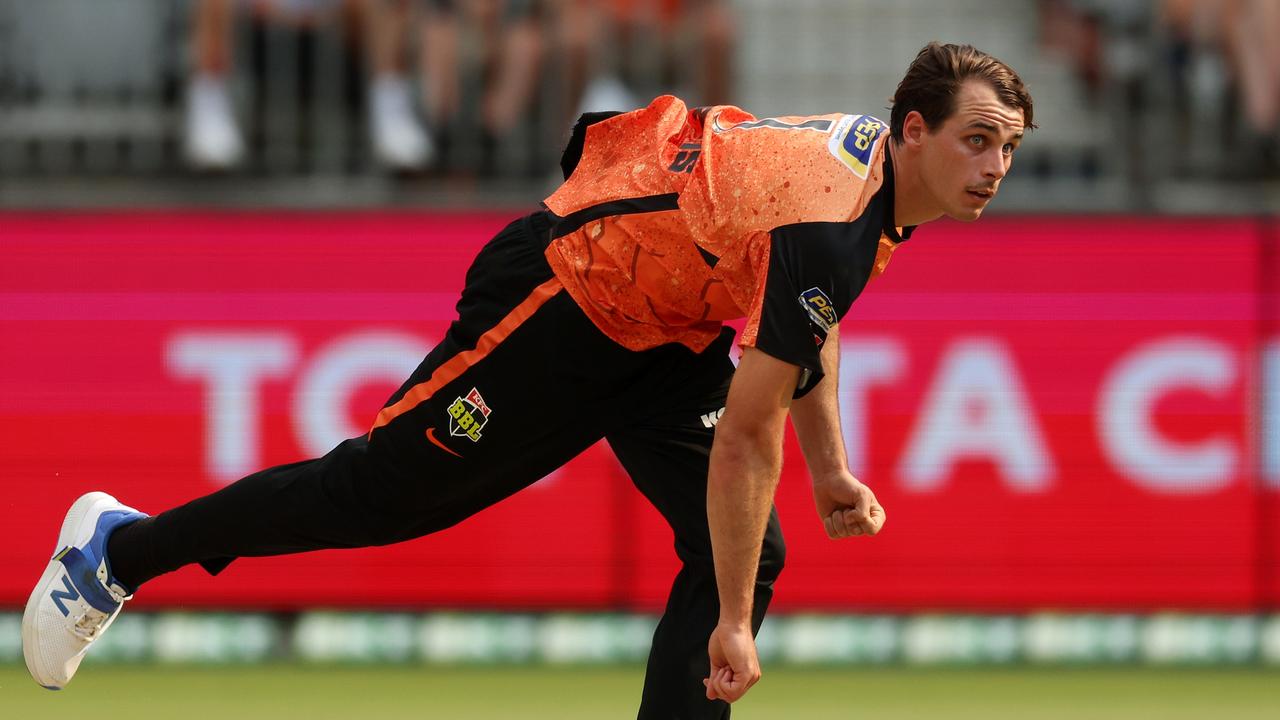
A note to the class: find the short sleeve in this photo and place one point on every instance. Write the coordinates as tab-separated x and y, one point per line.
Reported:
814	272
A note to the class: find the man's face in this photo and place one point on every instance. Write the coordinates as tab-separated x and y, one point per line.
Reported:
965	159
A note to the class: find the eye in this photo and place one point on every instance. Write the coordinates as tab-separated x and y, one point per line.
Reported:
977	140
1007	149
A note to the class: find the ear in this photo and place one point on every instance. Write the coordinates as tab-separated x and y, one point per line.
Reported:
914	128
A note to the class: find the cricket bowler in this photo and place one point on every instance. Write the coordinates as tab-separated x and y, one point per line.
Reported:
601	316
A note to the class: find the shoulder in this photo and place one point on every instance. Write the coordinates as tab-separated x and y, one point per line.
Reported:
830	248
795	169
612	156
856	141
831	260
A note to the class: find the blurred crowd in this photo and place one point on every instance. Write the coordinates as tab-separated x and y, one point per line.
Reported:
605	55
488	71
1216	61
489	88
1243	35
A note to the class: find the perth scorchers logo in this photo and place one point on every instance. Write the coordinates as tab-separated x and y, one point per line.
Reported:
468	415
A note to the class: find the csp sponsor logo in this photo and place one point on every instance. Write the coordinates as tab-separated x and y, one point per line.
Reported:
853	139
822	313
468	415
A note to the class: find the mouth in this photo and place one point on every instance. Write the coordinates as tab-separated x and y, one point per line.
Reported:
982	194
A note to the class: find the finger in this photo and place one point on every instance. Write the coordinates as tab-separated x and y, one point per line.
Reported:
851	521
873	526
727	690
713	679
874	521
738	686
829	527
863	524
733	684
720	684
860	513
838	524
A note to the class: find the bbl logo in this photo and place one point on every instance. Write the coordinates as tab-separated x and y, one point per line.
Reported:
467	416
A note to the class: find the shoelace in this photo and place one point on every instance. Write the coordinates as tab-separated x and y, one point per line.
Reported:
90	624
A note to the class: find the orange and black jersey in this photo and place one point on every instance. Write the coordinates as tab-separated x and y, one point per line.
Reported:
675	219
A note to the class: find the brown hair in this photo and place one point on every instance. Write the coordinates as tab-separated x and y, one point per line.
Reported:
931	83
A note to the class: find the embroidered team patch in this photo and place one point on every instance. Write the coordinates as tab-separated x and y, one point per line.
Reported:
468	415
853	140
822	313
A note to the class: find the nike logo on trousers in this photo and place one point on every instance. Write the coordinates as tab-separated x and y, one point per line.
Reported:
431	435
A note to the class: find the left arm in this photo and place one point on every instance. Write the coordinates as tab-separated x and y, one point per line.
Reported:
846	506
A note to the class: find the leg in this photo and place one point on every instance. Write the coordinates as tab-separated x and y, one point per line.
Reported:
399	140
519	64
212	136
667	457
716	28
438	63
425	466
211	37
522	383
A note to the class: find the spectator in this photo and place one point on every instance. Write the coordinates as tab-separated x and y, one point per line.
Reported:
1253	34
511	58
694	40
1226	58
1244	33
399	139
1074	33
213	137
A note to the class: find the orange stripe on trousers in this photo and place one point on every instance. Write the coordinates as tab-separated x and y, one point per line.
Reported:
458	364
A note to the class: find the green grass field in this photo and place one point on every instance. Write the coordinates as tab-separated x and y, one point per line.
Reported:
393	692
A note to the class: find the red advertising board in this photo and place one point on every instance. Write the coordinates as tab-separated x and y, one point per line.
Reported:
1056	412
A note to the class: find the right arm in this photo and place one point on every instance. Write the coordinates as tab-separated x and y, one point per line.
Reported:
801	295
746	460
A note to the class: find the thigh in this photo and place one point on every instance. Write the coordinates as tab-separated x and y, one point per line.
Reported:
665	446
494	407
669	466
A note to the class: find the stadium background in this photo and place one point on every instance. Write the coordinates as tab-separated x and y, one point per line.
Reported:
1071	409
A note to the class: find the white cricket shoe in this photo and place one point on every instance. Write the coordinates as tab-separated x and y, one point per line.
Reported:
77	598
606	93
213	139
399	140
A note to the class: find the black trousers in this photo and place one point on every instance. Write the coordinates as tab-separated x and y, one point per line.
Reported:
521	384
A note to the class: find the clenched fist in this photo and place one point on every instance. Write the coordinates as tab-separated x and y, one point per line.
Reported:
735	666
847	507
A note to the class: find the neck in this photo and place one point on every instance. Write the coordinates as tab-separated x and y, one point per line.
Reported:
912	203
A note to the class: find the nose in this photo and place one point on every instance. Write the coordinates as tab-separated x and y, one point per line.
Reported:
995	167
